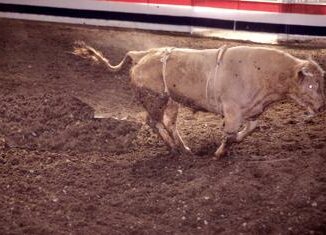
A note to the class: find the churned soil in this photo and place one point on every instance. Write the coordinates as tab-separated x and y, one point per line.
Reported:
77	158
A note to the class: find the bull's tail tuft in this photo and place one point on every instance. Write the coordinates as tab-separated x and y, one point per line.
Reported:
87	52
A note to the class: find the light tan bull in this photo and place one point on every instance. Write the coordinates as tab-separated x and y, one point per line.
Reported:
238	82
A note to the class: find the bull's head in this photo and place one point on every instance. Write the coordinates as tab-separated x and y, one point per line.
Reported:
309	84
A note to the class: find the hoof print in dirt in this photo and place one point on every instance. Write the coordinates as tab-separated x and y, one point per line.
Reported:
206	149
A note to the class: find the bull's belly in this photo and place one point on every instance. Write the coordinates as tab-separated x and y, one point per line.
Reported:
190	103
158	95
196	100
192	92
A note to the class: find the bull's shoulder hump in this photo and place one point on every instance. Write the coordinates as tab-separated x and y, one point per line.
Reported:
254	48
268	52
260	49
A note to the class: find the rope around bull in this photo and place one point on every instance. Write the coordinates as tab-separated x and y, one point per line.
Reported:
165	57
220	54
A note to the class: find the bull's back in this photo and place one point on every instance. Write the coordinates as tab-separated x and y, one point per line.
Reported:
247	71
257	61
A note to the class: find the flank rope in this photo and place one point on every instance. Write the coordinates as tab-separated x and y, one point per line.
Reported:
164	59
218	63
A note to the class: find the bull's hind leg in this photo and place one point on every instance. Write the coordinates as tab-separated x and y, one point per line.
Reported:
157	105
163	132
170	122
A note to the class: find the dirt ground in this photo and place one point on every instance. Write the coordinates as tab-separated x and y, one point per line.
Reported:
64	170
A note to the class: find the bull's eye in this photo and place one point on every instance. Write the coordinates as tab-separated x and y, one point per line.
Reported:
310	86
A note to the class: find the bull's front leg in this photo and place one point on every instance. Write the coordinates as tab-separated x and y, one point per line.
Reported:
227	139
232	123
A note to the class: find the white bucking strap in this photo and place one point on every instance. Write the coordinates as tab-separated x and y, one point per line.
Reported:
220	54
165	57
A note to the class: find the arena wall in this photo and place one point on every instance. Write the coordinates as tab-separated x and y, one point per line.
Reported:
264	21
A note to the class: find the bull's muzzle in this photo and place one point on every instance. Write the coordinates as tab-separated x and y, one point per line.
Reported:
321	109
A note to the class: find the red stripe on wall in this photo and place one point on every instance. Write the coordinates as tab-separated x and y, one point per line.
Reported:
173	2
241	5
131	1
263	6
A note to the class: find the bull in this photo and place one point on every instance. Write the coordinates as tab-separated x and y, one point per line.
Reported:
238	83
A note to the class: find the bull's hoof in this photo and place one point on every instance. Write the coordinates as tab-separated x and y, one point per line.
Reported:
220	153
186	150
175	152
181	151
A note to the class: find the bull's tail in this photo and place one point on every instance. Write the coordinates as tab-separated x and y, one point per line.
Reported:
87	52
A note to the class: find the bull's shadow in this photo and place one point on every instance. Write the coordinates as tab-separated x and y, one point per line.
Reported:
164	167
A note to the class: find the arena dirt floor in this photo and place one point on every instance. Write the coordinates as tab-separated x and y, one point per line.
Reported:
76	157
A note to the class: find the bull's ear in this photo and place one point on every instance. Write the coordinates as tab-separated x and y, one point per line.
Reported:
303	73
306	72
301	77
